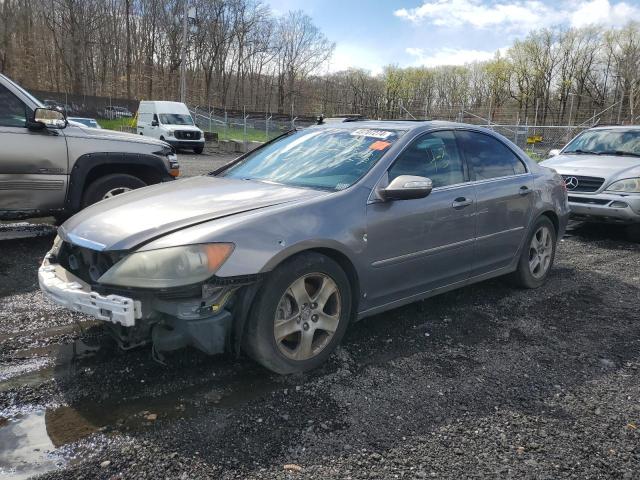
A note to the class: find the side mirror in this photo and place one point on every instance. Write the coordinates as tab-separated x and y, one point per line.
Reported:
407	187
554	152
47	118
154	123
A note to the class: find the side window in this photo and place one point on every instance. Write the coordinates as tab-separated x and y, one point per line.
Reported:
13	113
487	157
435	156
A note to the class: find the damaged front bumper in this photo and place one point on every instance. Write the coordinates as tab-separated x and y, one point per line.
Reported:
200	316
67	290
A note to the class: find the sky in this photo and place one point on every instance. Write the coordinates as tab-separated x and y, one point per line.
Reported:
370	34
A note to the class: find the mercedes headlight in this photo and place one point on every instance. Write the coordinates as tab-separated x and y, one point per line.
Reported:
627	185
168	267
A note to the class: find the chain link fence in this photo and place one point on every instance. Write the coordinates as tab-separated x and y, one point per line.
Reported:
537	141
246	127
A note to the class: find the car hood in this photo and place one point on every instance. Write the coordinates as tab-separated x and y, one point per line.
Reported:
131	219
604	166
75	130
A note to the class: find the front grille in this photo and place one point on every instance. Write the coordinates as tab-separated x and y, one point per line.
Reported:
86	264
578	183
187	135
588	201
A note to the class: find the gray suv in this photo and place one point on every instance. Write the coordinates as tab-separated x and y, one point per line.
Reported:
49	166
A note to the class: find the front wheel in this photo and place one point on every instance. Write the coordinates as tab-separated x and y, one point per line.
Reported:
300	314
110	186
537	255
198	150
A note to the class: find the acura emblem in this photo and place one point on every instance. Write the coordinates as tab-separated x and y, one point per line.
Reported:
571	183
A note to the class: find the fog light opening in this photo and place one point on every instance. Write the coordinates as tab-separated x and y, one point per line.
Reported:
618	204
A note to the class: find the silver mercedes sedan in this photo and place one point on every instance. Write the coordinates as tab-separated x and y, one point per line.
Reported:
278	251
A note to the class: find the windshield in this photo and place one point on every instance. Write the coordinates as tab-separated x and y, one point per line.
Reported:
606	142
31	97
175	119
328	158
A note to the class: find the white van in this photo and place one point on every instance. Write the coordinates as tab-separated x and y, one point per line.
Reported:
171	122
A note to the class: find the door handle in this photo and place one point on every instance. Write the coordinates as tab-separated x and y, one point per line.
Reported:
524	190
461	202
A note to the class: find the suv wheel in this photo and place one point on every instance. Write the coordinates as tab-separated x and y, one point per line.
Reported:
198	150
537	255
300	314
110	186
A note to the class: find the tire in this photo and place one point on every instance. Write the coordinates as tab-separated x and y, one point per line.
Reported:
543	248
110	185
198	150
633	233
307	345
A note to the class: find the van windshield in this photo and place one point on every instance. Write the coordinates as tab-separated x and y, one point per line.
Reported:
175	119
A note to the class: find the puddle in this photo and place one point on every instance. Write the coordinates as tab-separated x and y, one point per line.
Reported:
36	365
17	230
25	447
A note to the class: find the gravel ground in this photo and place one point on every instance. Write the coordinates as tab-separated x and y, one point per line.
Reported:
487	381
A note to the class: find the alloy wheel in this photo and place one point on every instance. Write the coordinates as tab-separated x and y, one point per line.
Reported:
540	252
307	316
115	191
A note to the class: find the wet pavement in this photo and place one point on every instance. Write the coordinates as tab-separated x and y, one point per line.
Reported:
487	381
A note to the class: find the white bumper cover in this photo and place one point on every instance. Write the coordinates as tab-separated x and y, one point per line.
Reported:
63	288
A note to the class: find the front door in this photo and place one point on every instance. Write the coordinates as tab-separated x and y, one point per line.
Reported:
33	164
415	246
504	191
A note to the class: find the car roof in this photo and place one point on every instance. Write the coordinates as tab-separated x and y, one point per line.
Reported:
394	124
617	127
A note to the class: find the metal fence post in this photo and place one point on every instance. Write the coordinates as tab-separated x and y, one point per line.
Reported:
245	129
266	126
226	137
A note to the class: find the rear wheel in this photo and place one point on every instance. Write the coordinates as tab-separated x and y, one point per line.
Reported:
110	186
300	315
537	255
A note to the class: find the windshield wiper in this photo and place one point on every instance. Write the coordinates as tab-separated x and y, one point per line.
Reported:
622	153
583	152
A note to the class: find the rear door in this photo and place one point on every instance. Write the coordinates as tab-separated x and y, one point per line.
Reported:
418	245
33	164
504	191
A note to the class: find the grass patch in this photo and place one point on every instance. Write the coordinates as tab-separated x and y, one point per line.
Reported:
535	156
237	134
117	123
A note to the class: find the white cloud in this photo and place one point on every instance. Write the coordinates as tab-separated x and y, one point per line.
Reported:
449	56
603	12
347	56
456	13
519	14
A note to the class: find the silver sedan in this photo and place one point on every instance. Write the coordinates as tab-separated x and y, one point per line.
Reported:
277	252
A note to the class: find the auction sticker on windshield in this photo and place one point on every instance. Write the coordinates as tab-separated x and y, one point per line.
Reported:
368	132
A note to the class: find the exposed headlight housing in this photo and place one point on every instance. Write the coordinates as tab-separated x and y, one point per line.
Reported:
626	185
55	248
168	267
